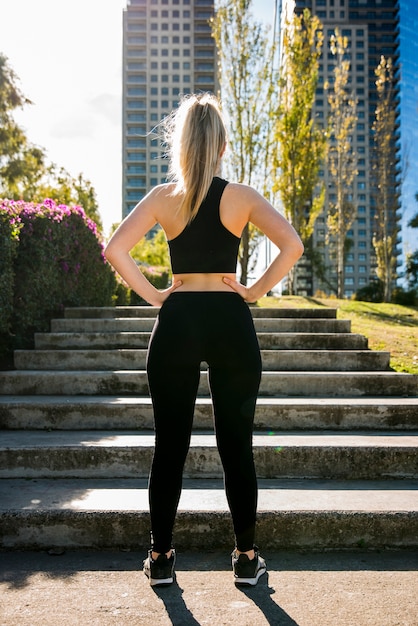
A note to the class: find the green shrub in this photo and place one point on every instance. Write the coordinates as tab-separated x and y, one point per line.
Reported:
373	292
404	297
8	248
59	262
157	276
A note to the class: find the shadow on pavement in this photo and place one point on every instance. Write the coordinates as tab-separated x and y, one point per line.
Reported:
261	595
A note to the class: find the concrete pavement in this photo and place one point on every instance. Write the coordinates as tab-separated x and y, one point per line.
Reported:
102	588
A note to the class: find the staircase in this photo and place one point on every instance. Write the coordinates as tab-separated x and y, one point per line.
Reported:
335	444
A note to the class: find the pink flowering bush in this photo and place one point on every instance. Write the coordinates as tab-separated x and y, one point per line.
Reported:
52	258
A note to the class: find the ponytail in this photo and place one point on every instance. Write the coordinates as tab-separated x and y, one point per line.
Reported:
196	135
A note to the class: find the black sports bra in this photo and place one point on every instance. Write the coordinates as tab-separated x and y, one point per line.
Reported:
205	245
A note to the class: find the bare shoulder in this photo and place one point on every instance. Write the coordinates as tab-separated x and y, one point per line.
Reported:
158	201
161	193
242	193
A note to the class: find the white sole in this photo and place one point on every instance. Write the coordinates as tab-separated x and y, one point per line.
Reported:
154	582
250	581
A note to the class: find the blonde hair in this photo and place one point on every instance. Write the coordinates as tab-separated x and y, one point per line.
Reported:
195	134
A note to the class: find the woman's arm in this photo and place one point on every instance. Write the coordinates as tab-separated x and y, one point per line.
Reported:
117	252
281	233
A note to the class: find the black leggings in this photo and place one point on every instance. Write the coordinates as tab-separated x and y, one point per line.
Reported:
216	327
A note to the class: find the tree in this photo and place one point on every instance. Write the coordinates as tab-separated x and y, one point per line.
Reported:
413	223
385	170
60	186
300	141
412	258
341	155
245	62
152	250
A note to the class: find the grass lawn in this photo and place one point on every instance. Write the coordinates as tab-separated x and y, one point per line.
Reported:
389	327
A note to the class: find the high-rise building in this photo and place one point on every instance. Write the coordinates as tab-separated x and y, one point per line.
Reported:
372	30
168	51
409	119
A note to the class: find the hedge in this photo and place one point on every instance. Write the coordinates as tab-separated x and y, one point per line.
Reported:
51	257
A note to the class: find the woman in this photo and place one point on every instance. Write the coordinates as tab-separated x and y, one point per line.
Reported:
203	317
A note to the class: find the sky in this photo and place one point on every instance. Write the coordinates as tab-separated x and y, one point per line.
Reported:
68	57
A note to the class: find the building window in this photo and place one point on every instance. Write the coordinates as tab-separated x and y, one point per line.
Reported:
135	40
137	91
136	143
136	79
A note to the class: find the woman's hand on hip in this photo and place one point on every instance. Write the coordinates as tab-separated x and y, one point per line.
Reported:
162	294
242	290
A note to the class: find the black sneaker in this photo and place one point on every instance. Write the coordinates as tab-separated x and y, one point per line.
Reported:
246	571
160	571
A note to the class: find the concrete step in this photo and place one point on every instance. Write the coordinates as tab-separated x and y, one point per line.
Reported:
104	454
137	340
273	384
314	514
149	311
274	414
121	359
144	324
